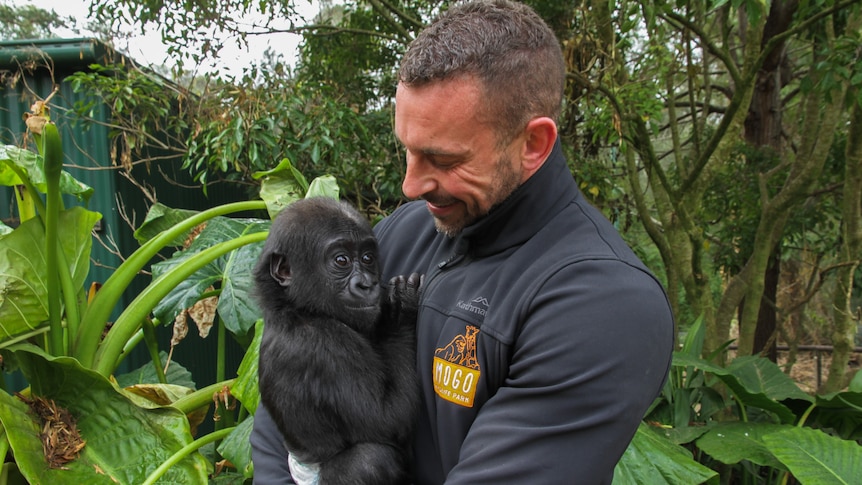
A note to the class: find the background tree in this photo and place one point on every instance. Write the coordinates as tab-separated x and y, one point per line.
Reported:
706	76
29	22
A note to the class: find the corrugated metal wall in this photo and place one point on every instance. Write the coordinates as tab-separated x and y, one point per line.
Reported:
87	158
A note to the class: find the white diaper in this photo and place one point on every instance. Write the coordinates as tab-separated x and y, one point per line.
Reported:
302	473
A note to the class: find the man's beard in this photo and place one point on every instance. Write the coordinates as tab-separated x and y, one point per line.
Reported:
505	181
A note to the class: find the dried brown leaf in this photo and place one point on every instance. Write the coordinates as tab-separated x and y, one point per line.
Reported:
203	313
61	441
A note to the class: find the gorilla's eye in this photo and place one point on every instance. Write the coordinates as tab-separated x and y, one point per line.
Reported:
367	258
342	260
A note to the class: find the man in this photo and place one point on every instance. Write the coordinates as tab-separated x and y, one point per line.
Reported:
542	339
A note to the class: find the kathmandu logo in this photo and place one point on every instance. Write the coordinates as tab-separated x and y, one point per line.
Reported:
479	305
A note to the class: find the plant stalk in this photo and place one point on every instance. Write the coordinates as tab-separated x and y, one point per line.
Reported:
149	331
201	397
52	153
184	452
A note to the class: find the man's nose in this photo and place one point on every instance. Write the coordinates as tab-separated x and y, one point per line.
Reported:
419	178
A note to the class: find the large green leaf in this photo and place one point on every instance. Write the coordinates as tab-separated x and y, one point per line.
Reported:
732	442
146	374
159	218
323	186
124	442
31	164
237	448
651	459
281	186
816	458
840	411
23	431
755	381
236	306
23	292
245	387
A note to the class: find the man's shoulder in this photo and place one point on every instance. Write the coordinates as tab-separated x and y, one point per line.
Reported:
407	240
411	215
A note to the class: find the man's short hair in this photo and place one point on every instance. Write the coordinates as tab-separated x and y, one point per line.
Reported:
506	46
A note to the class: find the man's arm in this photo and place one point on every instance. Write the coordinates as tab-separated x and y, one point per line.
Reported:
267	451
591	356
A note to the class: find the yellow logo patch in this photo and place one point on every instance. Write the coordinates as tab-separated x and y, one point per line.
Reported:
456	369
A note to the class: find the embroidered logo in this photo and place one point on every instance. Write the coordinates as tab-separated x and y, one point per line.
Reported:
479	305
456	369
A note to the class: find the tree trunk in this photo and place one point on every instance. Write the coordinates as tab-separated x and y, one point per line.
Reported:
845	320
763	129
764	343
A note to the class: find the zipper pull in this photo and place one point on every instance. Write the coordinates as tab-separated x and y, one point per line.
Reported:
458	253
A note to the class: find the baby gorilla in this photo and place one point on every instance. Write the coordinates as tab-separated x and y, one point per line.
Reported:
337	359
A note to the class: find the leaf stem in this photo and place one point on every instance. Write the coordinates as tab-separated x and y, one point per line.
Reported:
184	452
201	397
149	331
804	417
52	153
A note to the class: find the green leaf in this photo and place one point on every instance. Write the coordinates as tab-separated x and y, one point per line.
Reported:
23	433
755	381
856	383
231	273
124	442
325	186
23	291
236	448
816	458
693	344
732	442
245	387
651	459
840	411
687	434
146	374
159	218
281	186
32	165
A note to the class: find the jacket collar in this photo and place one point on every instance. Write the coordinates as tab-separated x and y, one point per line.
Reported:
524	212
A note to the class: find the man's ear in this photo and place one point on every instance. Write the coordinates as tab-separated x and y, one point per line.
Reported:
541	134
279	269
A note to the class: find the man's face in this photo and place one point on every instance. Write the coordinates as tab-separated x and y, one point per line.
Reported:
454	162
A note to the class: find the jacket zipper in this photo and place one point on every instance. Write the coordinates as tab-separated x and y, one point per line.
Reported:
458	256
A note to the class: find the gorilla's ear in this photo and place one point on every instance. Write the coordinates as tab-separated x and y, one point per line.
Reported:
279	269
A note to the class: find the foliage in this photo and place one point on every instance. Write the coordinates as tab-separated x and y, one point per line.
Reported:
232	130
754	418
360	67
105	417
28	22
150	116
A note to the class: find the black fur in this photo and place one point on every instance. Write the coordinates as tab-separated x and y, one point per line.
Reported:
337	359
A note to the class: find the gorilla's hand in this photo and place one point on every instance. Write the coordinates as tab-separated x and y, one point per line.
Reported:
403	299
